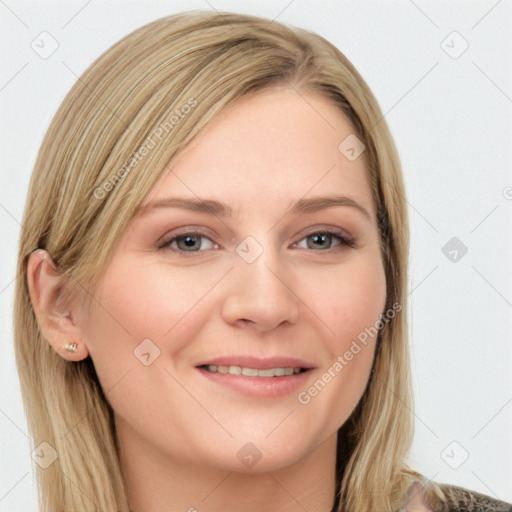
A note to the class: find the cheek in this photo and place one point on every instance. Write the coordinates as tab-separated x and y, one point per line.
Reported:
350	302
137	304
351	306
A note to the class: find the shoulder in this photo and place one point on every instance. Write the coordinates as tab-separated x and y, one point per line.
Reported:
465	500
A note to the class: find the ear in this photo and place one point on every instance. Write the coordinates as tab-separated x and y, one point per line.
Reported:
56	320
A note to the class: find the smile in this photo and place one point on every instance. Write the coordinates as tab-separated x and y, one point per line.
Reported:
252	372
272	381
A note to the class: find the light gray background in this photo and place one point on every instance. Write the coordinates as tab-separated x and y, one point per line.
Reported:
451	118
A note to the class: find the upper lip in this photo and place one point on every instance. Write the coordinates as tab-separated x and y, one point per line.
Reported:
259	363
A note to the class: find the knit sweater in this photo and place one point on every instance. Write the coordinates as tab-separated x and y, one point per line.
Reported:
465	500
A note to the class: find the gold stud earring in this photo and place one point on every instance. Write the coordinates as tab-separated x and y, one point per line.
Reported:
71	347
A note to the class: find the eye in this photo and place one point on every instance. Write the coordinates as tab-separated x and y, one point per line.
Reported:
187	242
194	241
325	240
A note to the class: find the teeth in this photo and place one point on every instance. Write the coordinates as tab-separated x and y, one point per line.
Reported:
252	372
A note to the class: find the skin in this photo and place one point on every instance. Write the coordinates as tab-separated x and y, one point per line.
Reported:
416	500
179	432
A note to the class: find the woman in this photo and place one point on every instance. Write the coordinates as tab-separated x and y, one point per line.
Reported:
211	303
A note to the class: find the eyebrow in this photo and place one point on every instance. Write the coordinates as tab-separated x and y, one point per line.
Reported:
218	208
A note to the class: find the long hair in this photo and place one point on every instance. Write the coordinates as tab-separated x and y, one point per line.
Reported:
126	119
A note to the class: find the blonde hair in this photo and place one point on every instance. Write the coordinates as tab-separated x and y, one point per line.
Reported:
95	167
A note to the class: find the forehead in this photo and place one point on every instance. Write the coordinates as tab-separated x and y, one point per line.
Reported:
269	149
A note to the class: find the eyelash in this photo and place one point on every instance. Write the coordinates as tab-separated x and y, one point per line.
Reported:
344	240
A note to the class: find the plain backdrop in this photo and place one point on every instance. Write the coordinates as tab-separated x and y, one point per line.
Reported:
442	75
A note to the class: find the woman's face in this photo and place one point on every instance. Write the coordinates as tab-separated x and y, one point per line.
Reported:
245	258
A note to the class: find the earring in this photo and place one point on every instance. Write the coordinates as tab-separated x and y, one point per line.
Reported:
71	347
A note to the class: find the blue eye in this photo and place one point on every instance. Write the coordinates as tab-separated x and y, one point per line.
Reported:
323	240
188	242
193	241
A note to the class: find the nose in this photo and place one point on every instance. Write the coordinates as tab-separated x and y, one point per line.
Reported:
260	296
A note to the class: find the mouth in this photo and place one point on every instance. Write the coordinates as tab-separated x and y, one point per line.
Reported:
272	377
253	372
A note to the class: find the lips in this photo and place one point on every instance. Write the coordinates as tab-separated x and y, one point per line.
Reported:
258	363
271	377
252	372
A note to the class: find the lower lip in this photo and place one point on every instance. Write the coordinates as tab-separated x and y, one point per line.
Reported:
262	387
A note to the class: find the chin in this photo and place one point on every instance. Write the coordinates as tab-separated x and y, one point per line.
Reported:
261	455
